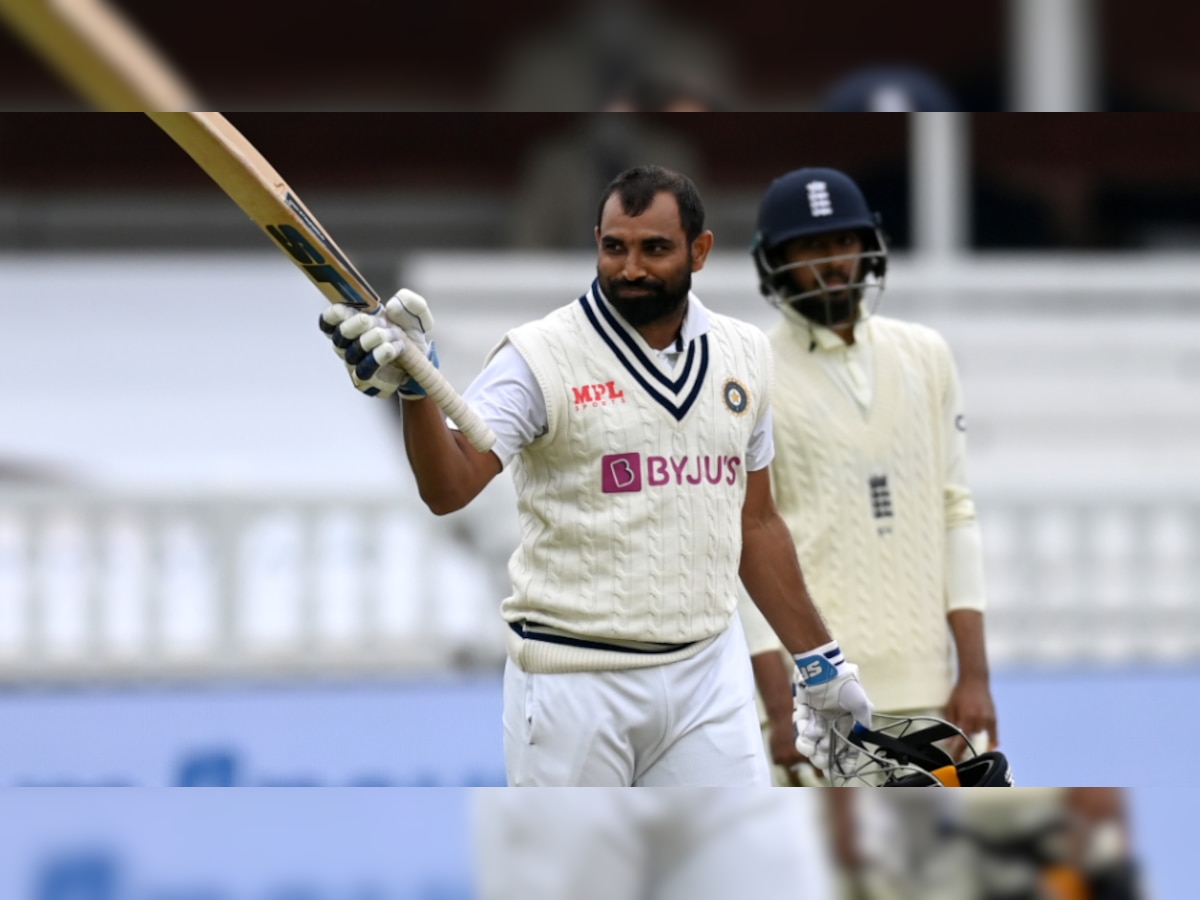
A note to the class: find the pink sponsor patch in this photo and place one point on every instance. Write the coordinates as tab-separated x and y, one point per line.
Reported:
621	473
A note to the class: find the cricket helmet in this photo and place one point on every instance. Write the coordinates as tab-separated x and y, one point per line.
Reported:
813	201
904	751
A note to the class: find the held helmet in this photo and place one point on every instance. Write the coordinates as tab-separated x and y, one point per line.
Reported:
904	752
815	201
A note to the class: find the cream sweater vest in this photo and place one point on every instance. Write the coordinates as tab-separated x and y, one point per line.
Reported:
864	494
630	504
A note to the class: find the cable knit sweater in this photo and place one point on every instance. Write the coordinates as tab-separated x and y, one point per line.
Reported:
630	503
869	476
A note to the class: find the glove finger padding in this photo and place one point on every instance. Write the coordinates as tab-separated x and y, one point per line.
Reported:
853	699
373	339
841	694
375	375
410	311
378	353
332	319
827	695
380	370
371	343
808	731
814	739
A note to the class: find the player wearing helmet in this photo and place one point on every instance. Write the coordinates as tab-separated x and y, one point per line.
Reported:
819	249
869	471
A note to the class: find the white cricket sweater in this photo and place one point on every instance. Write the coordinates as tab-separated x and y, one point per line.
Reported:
869	476
630	503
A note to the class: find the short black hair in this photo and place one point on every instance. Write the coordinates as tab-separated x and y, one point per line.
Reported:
637	188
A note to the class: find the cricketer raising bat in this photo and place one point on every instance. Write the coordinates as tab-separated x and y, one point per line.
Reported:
242	172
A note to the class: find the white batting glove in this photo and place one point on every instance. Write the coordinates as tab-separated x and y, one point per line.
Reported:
370	343
826	690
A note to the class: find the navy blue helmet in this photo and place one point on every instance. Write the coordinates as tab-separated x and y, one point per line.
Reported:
814	201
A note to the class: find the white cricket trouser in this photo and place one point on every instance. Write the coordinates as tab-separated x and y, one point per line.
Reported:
612	844
684	724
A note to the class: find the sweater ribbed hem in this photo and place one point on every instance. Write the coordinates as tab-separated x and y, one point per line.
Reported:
542	657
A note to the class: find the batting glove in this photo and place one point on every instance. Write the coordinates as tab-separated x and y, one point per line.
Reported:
826	690
370	343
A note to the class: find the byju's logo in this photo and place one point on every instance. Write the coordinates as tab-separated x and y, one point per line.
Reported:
623	473
597	394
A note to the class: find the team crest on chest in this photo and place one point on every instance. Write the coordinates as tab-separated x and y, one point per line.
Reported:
737	398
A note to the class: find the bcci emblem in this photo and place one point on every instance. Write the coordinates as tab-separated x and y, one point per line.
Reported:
737	398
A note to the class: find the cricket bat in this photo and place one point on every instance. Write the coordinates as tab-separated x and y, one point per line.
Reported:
250	181
98	53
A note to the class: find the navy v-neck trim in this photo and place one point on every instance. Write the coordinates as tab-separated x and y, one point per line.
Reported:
635	361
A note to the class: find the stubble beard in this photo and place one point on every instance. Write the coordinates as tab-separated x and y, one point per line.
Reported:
663	300
831	308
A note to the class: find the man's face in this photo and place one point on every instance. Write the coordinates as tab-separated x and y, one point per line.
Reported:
645	262
834	273
828	263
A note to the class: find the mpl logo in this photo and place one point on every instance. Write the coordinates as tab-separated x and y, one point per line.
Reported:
623	473
597	394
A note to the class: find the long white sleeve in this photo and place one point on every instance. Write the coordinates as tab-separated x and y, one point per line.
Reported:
964	544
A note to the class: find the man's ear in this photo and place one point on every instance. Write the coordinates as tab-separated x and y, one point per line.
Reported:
700	250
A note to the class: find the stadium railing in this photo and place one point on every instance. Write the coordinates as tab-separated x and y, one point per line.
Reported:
100	585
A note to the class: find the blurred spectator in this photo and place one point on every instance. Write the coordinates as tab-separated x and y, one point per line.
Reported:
680	92
598	48
898	88
555	205
890	88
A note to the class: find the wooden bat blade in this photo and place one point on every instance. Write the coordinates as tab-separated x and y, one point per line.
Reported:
99	54
253	184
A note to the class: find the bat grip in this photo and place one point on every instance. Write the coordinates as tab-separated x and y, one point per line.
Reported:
448	399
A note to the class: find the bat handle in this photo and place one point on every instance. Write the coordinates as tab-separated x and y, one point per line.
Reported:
443	394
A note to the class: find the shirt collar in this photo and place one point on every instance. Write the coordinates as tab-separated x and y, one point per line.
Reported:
696	320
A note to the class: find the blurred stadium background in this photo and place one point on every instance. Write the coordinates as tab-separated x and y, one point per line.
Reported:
214	569
571	55
205	580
